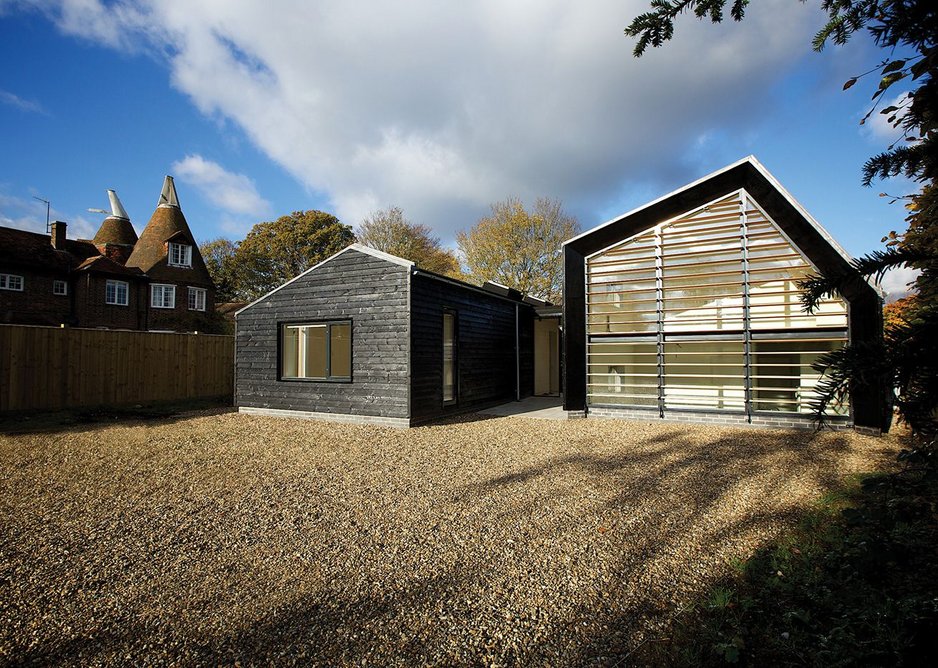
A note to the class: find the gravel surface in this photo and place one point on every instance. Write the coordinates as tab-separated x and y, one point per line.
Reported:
223	538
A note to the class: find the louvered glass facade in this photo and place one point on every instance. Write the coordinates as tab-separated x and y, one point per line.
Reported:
703	312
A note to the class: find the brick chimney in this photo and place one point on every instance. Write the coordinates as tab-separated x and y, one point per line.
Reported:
58	235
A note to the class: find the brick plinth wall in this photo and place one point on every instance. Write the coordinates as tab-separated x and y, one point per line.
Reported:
727	419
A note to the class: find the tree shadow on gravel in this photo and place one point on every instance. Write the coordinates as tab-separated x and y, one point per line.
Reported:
669	489
89	419
330	629
84	650
651	501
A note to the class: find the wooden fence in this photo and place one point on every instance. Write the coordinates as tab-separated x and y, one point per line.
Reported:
58	368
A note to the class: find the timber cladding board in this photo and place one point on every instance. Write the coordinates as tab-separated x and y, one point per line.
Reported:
369	291
485	352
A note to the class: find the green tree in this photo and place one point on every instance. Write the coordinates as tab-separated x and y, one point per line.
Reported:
389	231
220	260
907	31
520	248
274	252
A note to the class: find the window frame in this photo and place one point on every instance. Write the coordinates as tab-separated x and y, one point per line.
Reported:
194	291
57	283
185	249
6	279
328	324
164	286
117	285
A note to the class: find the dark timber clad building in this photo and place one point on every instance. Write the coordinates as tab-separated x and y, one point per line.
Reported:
368	337
687	308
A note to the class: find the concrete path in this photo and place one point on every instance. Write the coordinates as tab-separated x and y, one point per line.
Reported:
544	408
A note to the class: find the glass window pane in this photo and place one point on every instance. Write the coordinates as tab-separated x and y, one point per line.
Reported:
623	373
341	350
700	291
783	380
289	363
704	374
314	362
449	357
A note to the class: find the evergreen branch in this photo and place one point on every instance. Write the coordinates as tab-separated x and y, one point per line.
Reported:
905	160
815	289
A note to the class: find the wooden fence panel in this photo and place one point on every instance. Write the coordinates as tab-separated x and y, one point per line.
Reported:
55	368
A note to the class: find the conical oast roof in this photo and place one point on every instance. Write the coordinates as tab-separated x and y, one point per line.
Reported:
168	224
116	228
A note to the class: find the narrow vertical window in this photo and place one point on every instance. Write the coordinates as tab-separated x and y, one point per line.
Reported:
449	357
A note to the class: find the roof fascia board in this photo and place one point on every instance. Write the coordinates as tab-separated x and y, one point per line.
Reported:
765	173
381	255
671	194
800	209
468	286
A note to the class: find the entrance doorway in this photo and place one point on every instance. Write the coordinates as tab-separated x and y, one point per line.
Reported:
547	357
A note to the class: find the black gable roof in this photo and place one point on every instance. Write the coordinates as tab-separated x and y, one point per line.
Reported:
750	175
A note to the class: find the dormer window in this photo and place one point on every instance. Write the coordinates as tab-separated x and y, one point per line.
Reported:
180	255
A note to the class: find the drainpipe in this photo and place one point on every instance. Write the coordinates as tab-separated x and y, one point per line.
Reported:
517	359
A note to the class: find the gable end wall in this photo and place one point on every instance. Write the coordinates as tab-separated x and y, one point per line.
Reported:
373	294
865	311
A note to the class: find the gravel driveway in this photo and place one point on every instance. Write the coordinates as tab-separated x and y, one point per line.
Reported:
219	538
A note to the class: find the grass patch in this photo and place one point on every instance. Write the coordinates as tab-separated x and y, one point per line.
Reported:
855	583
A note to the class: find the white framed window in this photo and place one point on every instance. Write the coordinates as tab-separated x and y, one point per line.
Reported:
59	288
11	282
116	292
162	295
196	299
180	255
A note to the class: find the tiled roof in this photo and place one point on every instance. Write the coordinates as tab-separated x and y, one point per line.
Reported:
19	248
227	308
100	264
150	253
116	230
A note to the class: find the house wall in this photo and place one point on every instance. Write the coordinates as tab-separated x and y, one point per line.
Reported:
373	294
485	356
180	318
35	304
88	295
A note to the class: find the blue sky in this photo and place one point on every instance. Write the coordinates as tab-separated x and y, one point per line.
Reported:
351	107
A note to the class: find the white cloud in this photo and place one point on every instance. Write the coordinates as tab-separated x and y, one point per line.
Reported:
878	127
30	106
896	282
233	193
443	108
